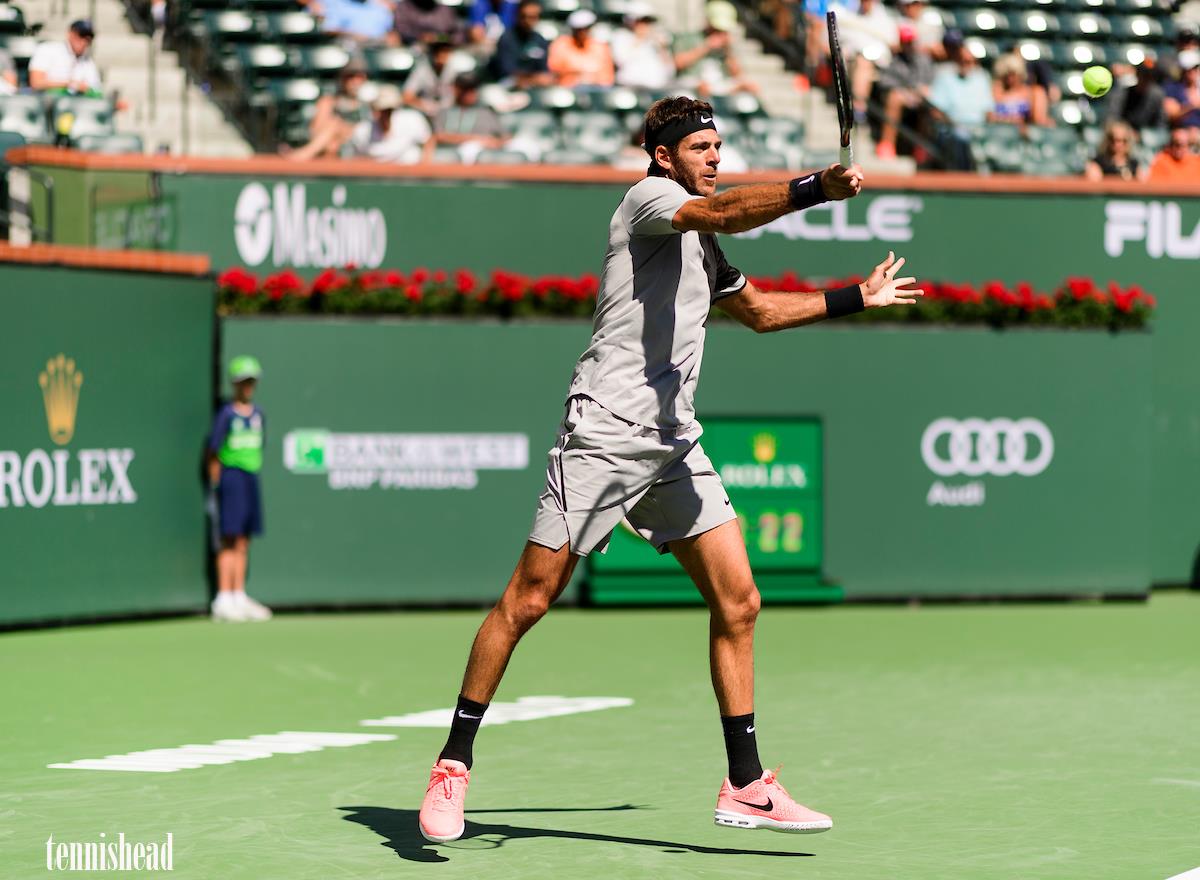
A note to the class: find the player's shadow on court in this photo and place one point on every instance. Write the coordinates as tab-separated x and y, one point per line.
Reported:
399	830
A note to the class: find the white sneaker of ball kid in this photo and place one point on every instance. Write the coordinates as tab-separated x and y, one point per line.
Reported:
252	610
227	608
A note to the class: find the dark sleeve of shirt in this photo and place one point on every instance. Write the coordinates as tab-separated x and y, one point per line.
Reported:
723	279
220	428
508	52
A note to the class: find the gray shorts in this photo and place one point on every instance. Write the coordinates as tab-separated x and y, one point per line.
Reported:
604	469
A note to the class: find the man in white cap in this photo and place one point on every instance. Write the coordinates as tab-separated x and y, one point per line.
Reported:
706	62
578	58
642	53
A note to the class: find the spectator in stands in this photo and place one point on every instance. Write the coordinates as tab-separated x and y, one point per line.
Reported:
399	133
706	62
1182	97
578	58
1116	158
640	53
426	21
366	21
1142	104
67	67
522	53
1015	101
1176	163
961	97
342	123
905	83
430	86
816	41
489	19
928	29
467	125
8	74
867	36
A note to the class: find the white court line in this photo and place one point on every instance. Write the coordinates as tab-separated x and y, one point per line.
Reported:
1193	874
524	709
1190	782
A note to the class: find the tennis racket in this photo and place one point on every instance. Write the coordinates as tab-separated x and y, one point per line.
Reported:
841	90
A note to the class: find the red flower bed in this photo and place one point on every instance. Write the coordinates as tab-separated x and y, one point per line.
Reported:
1077	302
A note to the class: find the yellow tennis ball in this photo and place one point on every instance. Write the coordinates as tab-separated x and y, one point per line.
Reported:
1097	81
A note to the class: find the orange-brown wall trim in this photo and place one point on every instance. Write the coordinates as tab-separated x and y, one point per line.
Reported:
275	166
89	258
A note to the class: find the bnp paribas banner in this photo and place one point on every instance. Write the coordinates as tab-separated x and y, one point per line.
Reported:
104	382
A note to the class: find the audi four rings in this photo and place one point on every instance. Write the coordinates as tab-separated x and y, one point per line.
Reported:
978	447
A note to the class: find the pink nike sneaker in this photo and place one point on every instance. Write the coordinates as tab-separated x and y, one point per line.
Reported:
764	803
441	819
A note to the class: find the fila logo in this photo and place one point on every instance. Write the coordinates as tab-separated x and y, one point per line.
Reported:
1159	225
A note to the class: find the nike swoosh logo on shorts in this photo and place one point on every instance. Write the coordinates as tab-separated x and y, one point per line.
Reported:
462	714
768	806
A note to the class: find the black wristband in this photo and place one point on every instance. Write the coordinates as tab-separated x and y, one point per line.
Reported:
843	301
806	192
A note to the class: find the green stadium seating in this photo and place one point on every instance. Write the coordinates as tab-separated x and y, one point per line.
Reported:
111	144
12	20
571	156
390	64
323	62
264	60
293	27
230	26
26	116
502	157
79	117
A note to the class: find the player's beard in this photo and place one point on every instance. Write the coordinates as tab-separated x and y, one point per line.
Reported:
689	178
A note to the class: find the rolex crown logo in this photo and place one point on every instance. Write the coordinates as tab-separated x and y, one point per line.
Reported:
60	391
764	448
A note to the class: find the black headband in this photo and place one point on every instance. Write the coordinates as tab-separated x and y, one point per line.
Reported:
673	132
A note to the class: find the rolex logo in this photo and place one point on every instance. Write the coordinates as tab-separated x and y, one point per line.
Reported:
764	448
60	383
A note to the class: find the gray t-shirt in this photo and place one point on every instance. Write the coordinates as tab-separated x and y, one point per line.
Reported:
655	294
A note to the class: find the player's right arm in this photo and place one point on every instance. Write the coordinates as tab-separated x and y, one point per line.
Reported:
746	207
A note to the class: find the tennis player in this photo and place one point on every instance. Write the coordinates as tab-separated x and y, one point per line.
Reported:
628	447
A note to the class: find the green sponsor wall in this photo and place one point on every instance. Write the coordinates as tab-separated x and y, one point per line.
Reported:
271	223
1081	525
85	542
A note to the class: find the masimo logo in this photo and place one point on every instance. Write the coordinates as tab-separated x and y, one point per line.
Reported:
1158	224
39	478
280	224
889	218
981	447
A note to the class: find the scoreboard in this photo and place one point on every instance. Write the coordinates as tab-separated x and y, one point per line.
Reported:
773	472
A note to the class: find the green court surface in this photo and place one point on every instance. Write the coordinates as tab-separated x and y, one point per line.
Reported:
1009	742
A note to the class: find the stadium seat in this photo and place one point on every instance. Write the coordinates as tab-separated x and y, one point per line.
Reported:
571	156
390	64
24	115
264	60
112	144
1089	25
1079	54
1139	28
294	27
231	26
1040	23
270	5
1035	50
555	98
1136	53
987	51
985	22
501	157
77	117
1154	139
9	140
323	62
12	20
737	104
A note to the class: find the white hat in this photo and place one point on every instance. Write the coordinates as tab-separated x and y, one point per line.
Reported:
639	10
1189	58
581	19
722	15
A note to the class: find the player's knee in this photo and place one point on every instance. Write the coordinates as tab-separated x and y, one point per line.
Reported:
526	605
739	610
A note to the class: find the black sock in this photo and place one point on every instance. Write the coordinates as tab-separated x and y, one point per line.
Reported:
740	746
467	716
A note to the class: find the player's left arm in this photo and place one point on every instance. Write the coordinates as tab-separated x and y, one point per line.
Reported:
765	312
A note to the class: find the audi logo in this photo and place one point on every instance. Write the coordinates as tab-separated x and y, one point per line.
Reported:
978	447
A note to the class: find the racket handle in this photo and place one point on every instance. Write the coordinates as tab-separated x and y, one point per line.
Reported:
847	156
